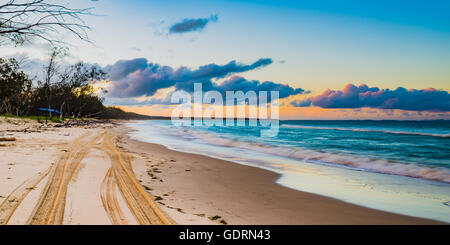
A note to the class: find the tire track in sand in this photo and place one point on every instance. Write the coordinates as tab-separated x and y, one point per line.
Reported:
15	198
50	207
109	199
138	200
109	191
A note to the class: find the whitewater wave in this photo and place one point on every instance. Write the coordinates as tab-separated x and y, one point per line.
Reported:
367	130
331	159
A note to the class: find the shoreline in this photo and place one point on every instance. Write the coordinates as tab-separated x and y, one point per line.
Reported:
190	189
239	194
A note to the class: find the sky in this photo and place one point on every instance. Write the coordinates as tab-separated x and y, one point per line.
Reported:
321	53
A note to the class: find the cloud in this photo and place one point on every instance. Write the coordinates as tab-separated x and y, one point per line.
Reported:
301	103
234	83
138	77
122	68
363	96
190	25
237	83
135	49
35	67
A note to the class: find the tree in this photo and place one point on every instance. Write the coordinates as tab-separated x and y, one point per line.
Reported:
69	89
15	88
21	20
78	94
51	71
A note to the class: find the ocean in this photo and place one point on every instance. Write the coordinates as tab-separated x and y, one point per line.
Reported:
397	166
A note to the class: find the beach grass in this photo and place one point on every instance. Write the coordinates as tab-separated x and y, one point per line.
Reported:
35	118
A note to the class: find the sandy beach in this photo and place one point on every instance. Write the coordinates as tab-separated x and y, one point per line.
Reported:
54	175
96	174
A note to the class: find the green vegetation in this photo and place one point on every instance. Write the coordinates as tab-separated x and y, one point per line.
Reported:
68	90
65	89
35	118
117	113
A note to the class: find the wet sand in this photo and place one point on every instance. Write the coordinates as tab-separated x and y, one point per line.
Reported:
227	192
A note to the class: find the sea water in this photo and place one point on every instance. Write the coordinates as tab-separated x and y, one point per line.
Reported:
396	166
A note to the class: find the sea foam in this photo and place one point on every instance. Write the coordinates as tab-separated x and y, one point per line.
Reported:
325	158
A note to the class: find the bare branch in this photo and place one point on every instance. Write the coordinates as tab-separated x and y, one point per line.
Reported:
22	20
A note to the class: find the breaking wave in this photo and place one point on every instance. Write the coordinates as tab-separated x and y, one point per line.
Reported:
331	159
367	130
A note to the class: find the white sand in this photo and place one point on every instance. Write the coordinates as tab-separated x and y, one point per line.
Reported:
34	152
85	207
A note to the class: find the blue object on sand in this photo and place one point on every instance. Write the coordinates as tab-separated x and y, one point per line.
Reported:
51	110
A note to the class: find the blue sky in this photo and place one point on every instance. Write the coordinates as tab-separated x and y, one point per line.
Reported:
427	14
324	43
314	45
